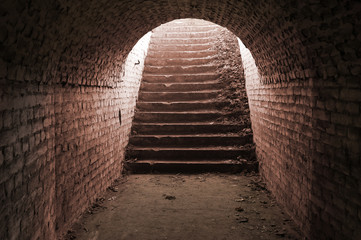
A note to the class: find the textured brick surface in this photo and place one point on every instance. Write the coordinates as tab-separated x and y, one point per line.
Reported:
61	145
281	120
27	173
92	129
305	107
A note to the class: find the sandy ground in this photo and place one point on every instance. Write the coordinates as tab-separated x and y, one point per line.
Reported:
204	206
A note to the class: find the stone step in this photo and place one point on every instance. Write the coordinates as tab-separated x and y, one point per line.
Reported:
177	87
179	78
186	154
188	22
177	96
180	106
178	61
201	34
189	140
194	40
177	47
182	54
225	166
186	128
184	28
179	69
177	117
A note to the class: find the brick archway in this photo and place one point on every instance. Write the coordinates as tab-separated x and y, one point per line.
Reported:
97	30
61	59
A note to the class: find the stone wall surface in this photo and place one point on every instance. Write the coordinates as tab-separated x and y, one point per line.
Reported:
62	56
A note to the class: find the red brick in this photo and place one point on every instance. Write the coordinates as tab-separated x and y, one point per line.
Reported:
351	95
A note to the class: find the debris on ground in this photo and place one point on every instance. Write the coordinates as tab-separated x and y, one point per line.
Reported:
239	200
243	220
113	189
169	197
202	209
112	198
239	209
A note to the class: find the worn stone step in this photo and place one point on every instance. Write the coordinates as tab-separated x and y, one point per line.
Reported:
177	47
187	128
225	166
177	96
194	40
177	87
178	61
177	117
182	54
184	28
201	34
179	69
180	106
190	140
187	22
180	78
204	153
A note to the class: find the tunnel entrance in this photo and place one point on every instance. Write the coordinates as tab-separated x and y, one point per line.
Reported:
192	111
61	90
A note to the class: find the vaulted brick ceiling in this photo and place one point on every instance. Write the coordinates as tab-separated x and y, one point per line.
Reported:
74	41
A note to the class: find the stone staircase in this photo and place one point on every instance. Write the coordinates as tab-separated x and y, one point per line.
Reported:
179	124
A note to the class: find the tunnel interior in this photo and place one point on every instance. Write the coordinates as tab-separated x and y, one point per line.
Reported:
62	89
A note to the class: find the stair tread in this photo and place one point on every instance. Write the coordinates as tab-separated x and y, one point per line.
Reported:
185	83
181	44
176	78
182	51
182	66
183	92
181	74
196	58
177	47
191	123
220	161
185	102
191	135
199	39
183	34
207	44
149	58
186	112
212	148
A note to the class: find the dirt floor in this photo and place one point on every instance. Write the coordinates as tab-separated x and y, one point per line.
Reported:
204	206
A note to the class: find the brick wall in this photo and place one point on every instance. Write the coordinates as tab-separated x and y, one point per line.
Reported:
281	120
131	79
88	147
92	129
61	139
307	124
305	108
27	173
335	49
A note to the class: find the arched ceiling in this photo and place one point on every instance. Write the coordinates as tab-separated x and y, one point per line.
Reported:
86	41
